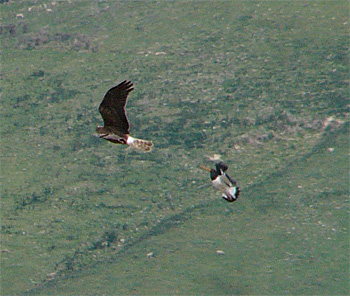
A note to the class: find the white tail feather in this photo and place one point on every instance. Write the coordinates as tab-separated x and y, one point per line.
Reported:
140	144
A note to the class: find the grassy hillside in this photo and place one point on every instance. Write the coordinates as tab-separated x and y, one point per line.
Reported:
264	84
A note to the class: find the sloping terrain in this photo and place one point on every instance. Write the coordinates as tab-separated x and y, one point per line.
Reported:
288	237
263	84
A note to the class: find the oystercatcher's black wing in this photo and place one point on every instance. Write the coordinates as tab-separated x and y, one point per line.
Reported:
112	107
233	182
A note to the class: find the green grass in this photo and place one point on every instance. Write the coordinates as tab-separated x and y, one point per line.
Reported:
291	245
256	82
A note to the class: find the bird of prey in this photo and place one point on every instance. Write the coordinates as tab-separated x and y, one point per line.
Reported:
116	124
223	182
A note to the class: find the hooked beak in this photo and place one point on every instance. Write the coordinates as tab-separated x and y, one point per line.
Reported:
205	168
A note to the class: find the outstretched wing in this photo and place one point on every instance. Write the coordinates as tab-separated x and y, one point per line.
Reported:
233	182
112	107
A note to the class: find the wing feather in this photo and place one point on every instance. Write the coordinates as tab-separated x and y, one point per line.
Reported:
112	107
233	182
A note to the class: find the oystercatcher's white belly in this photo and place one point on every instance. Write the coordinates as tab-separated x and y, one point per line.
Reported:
219	183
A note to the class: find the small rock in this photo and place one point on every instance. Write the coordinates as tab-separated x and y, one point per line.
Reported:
215	157
51	276
105	244
150	255
220	252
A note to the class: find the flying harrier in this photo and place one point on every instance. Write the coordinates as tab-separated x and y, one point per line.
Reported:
116	124
223	182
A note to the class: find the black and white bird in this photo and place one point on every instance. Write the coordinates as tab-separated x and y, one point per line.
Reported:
223	182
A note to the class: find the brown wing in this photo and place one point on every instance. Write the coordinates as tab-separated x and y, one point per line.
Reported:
112	107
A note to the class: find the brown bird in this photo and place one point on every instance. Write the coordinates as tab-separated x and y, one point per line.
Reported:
116	124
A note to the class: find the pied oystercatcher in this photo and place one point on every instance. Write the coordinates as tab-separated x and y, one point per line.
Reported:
223	182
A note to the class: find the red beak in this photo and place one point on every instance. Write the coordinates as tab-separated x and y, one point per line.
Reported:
205	168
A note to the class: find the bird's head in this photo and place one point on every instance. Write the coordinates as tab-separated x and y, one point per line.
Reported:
221	167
